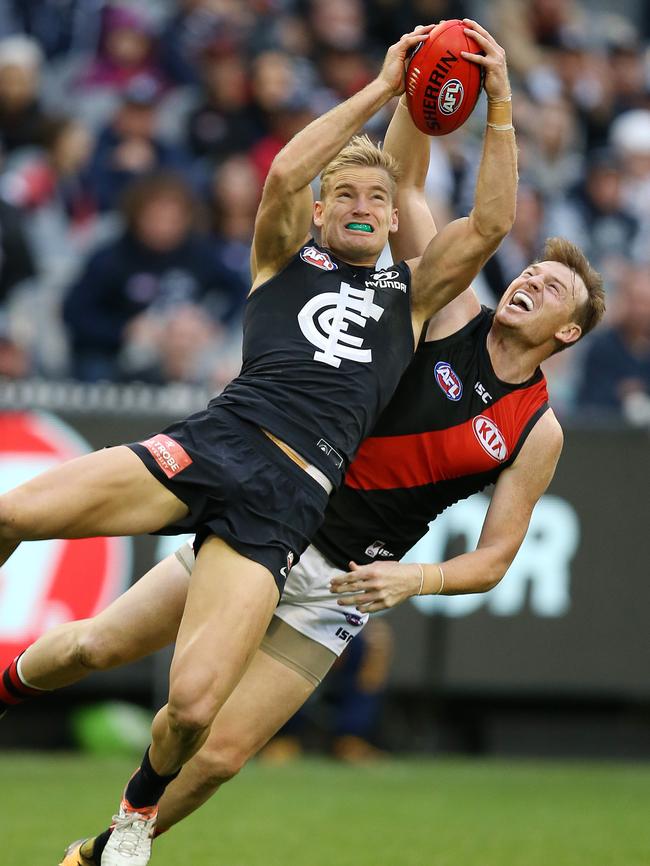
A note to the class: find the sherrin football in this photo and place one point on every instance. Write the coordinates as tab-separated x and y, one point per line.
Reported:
441	86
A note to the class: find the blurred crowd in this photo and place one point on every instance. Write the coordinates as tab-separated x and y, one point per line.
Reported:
135	138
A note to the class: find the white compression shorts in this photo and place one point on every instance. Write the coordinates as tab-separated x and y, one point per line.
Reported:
309	608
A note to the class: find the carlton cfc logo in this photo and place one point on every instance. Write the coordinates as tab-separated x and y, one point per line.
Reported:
49	582
448	380
490	438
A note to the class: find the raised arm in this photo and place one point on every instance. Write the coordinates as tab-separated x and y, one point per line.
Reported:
285	212
458	252
383	585
411	148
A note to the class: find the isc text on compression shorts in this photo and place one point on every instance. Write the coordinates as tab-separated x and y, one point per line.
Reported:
309	629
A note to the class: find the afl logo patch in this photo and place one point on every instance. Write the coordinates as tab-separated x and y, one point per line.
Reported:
450	97
490	438
448	380
318	259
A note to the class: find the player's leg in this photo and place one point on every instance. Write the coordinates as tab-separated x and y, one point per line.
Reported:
229	606
282	675
139	622
109	492
267	696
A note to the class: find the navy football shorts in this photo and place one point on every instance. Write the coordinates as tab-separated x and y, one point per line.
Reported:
237	485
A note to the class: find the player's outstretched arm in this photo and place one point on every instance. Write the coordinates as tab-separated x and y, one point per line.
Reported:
458	252
284	216
411	148
383	585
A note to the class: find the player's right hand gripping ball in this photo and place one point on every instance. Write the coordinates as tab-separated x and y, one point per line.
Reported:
441	86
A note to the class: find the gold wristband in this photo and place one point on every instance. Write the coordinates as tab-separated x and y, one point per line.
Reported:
499	114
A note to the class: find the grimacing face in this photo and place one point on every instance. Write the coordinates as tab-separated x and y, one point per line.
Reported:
541	304
356	215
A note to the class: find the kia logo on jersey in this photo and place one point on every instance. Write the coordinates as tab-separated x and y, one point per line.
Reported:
318	259
46	583
448	380
490	438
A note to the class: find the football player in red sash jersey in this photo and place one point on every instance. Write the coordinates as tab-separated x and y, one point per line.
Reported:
358	205
504	434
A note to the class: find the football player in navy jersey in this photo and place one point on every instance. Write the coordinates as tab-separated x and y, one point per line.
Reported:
252	473
309	629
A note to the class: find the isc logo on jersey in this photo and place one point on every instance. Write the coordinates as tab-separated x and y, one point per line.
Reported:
490	438
318	259
49	582
448	380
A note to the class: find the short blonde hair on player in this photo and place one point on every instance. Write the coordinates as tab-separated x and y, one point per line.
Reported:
361	152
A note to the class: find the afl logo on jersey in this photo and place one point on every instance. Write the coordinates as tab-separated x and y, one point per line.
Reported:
490	438
448	380
318	259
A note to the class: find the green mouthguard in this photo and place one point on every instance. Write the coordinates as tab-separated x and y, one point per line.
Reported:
359	227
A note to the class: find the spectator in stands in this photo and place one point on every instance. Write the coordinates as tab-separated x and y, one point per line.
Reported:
286	102
616	374
127	50
129	147
22	120
57	175
595	215
62	27
16	266
235	196
630	138
196	24
551	154
118	312
224	121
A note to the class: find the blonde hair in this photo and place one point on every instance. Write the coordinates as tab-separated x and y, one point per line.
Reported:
591	311
361	151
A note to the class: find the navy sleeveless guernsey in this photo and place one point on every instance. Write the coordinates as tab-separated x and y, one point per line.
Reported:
325	344
451	428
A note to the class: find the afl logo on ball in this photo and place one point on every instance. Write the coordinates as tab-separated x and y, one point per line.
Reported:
450	97
490	438
448	381
318	259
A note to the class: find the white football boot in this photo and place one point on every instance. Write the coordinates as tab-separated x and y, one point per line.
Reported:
130	842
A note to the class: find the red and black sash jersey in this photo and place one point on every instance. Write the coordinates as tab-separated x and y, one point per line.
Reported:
450	429
325	345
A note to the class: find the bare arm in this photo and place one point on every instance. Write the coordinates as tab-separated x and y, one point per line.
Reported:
458	252
285	212
386	584
411	148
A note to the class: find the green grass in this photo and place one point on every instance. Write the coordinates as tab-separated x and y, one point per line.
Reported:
417	812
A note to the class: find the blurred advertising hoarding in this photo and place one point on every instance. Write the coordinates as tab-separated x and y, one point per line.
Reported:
570	617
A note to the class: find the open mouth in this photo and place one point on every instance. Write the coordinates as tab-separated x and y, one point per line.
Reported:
360	227
521	301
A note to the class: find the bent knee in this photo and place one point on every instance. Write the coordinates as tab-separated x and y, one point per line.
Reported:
94	650
189	718
219	763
